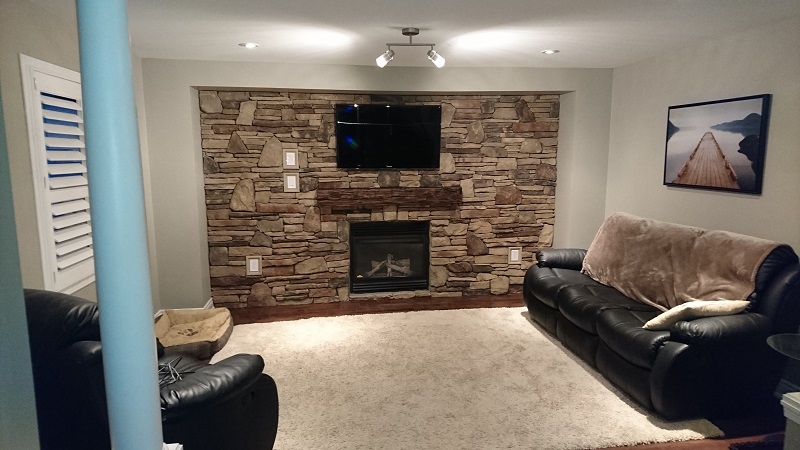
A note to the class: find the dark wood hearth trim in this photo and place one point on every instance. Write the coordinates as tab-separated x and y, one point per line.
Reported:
352	199
370	306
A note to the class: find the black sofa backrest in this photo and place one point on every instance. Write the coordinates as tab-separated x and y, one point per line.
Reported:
57	320
64	335
775	263
776	281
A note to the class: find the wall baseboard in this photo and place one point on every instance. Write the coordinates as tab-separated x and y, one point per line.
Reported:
209	305
785	387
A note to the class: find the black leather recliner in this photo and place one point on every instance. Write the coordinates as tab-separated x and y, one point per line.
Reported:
229	404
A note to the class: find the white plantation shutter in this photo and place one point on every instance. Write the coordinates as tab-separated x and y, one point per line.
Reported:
58	154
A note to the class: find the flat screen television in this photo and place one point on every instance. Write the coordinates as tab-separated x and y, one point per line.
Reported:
388	136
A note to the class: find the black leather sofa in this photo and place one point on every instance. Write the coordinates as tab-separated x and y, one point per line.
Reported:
711	366
229	404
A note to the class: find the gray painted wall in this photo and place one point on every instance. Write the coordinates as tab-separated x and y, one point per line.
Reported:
173	143
138	91
764	60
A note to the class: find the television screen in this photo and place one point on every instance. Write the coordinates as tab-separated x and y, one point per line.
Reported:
388	136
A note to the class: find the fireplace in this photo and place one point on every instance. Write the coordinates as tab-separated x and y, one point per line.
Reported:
389	256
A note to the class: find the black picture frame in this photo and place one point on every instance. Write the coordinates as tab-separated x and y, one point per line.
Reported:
718	145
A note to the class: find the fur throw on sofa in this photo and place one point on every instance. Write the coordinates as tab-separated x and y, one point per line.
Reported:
664	264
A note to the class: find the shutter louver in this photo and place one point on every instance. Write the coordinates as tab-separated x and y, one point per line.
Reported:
68	191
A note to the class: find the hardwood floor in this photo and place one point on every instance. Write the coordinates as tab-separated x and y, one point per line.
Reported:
705	444
754	430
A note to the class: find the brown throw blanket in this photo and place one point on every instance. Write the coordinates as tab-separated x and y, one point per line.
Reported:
664	264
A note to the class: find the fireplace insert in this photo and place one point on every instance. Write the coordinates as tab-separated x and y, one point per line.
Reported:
389	256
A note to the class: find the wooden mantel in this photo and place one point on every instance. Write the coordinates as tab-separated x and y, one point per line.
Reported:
424	198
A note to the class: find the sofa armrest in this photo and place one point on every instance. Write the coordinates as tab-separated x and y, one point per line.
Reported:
737	328
211	383
564	258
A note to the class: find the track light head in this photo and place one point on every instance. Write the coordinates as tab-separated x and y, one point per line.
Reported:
384	59
436	59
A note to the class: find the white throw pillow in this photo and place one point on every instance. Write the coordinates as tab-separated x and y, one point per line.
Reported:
694	309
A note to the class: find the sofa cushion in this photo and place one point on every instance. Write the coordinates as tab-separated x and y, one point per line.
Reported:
580	304
621	330
693	310
545	283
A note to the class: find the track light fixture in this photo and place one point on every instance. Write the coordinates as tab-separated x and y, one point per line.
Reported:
383	59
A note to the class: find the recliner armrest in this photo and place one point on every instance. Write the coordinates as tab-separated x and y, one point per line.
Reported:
84	354
211	383
737	328
564	258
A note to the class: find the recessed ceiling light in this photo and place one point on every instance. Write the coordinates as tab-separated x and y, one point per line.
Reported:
550	51
249	45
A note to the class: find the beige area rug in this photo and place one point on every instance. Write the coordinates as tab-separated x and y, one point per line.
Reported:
460	379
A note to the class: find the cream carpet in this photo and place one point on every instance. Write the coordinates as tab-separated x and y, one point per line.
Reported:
460	379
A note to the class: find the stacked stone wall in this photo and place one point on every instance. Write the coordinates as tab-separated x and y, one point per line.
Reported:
499	149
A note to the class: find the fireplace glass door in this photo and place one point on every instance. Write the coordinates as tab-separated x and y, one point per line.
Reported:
389	256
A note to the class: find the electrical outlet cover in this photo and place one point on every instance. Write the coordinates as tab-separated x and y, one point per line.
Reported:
515	255
253	265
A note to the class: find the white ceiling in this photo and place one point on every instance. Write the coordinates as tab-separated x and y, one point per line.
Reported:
468	33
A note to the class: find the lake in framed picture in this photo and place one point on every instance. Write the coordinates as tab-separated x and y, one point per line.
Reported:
718	145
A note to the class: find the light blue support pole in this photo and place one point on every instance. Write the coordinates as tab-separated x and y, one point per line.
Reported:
118	224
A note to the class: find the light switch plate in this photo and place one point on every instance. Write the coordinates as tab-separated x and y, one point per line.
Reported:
291	182
514	255
290	160
253	265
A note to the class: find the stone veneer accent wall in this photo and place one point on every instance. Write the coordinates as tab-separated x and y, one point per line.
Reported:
499	149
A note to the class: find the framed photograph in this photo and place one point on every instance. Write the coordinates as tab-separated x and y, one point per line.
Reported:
290	160
718	145
291	182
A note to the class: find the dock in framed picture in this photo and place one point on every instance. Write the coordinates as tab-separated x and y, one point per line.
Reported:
718	145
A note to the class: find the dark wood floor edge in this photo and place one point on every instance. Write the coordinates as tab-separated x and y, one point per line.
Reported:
265	314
